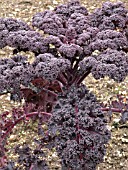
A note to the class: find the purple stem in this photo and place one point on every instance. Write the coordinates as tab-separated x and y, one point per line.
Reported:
65	74
21	118
84	76
62	79
112	109
76	65
74	80
50	92
31	167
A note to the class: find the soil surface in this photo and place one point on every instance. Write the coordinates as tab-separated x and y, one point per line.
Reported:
117	150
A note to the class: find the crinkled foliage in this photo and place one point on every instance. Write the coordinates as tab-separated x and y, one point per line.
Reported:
80	127
74	43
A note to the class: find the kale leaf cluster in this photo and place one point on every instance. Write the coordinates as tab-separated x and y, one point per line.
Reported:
78	128
72	44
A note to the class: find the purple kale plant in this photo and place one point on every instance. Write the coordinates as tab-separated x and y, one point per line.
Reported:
74	44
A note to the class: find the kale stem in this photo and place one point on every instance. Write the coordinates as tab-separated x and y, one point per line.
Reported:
83	77
21	118
111	109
